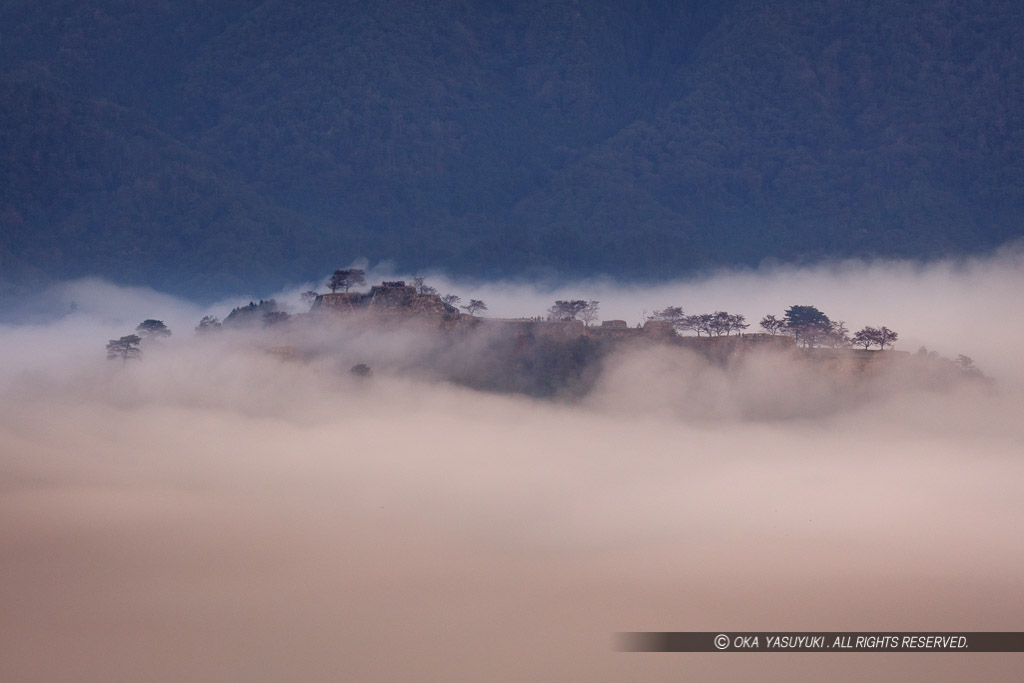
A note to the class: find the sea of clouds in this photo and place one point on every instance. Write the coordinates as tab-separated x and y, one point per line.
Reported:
216	512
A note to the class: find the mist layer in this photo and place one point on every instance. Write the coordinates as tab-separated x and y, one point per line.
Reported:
215	512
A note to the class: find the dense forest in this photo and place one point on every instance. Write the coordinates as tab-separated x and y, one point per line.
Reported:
205	147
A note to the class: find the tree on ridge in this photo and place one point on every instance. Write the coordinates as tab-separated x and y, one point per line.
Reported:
346	279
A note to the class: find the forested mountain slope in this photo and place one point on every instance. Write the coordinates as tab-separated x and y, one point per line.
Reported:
208	146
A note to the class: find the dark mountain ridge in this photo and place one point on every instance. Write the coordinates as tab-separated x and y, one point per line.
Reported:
208	147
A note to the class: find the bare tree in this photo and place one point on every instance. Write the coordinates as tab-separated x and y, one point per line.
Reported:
874	336
124	348
866	337
710	324
837	336
700	323
720	322
886	337
473	306
346	279
451	300
589	313
738	322
422	287
772	325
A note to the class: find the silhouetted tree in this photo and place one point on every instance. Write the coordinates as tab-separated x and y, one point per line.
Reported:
153	329
474	305
808	325
699	323
346	279
866	337
720	322
837	336
966	364
451	300
670	314
567	310
797	316
737	323
249	314
875	336
209	323
886	337
124	348
422	287
772	325
589	312
717	323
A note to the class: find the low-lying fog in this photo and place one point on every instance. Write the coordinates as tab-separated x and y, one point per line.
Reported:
214	512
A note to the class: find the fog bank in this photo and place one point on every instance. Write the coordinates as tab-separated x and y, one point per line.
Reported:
216	512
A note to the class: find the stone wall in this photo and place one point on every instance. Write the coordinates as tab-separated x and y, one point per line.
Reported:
392	301
738	342
339	302
659	329
614	329
391	297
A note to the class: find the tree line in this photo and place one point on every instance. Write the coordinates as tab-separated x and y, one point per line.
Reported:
128	347
808	325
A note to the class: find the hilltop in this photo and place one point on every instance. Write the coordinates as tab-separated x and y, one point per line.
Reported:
409	329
